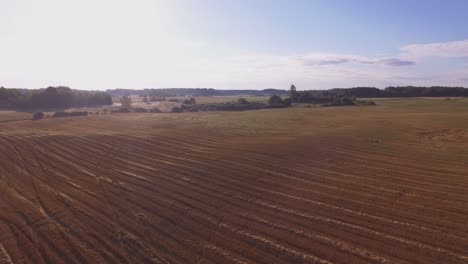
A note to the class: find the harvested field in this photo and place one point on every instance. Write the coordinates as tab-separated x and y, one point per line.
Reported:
384	184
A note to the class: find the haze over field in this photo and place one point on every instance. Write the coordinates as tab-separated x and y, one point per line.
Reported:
232	44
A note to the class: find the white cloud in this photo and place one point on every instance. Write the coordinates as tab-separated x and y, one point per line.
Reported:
320	59
449	49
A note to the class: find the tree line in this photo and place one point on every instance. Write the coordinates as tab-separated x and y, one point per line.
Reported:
172	92
51	98
346	96
241	104
64	97
363	92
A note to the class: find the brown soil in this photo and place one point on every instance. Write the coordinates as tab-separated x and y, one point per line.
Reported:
127	189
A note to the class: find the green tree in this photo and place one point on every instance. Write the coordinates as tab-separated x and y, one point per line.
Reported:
126	102
190	101
293	92
38	116
242	101
275	100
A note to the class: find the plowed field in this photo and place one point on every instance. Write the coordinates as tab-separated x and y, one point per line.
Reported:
384	184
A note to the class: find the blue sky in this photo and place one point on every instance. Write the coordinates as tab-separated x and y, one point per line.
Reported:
101	44
328	25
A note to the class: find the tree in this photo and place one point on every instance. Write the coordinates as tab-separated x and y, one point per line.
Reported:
242	101
38	116
293	93
140	110
275	100
126	102
176	110
287	102
190	101
145	99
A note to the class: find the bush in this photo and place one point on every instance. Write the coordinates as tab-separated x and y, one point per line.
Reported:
234	106
76	113
60	114
121	110
38	116
242	101
239	105
157	99
126	102
367	102
174	100
155	110
176	110
192	109
140	110
275	100
190	101
342	101
287	102
69	114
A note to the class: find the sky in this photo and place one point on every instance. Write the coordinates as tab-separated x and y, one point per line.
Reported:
236	44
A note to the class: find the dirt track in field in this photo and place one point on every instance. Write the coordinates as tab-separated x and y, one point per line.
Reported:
100	190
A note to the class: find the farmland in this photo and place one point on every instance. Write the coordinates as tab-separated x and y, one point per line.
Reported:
382	184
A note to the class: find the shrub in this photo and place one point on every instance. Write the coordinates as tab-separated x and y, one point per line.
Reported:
176	110
235	106
174	100
364	102
60	114
77	113
239	105
38	116
367	102
155	110
126	102
275	100
242	101
140	110
190	101
121	110
342	101
157	99
287	102
192	109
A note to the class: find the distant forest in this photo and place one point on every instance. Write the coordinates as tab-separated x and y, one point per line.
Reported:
323	96
51	98
171	92
362	92
405	91
64	97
